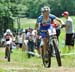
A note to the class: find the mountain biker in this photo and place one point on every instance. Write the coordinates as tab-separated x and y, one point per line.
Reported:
8	36
44	23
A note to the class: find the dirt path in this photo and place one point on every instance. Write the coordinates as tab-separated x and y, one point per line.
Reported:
25	69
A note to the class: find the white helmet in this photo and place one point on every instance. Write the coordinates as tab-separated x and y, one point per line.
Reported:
8	31
45	8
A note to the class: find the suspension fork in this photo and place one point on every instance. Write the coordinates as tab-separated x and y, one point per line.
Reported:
45	46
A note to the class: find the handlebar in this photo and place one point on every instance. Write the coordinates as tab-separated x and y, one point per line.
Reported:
60	27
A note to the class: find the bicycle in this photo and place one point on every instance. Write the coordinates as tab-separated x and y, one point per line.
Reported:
52	46
8	50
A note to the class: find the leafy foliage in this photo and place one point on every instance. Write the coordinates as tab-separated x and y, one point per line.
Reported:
31	9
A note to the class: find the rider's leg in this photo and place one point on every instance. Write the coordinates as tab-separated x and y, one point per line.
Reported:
5	52
38	46
45	46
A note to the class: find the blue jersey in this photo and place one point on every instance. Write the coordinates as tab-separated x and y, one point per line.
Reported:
45	25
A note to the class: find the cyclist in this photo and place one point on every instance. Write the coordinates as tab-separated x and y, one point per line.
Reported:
8	36
44	23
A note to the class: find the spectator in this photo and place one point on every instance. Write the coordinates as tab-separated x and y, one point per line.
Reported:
24	47
30	44
69	40
19	38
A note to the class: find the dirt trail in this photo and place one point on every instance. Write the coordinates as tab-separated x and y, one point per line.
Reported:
25	69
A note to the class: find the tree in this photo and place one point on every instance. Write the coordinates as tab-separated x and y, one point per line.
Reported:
31	9
6	20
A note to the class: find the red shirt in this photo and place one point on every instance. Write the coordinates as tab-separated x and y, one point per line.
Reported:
54	24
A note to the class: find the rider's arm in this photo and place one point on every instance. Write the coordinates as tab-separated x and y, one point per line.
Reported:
4	36
56	18
12	36
59	20
38	22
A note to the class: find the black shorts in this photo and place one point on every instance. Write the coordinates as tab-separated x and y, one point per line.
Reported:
69	39
20	45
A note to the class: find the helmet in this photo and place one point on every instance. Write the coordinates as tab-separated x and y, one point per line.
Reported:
45	8
8	31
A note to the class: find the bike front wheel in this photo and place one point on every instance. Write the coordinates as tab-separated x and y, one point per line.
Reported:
57	53
46	59
8	53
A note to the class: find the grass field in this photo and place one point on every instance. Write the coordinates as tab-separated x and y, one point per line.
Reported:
20	62
25	23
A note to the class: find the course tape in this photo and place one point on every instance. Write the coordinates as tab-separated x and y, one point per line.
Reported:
65	54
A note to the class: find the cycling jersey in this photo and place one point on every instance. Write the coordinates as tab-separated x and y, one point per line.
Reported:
8	38
45	25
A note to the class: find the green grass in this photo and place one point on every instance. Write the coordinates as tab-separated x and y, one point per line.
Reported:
26	23
19	60
2	70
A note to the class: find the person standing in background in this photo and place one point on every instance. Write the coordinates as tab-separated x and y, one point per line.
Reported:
69	38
